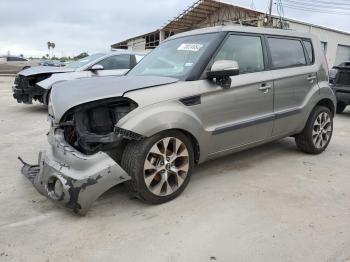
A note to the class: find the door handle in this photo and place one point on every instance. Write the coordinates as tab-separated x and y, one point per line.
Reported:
311	78
265	88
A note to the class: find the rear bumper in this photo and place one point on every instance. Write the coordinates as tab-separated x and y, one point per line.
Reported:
72	179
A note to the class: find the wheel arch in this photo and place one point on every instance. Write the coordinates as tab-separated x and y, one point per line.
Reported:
158	119
46	96
326	102
194	141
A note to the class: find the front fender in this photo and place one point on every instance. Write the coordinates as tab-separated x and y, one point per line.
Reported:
150	120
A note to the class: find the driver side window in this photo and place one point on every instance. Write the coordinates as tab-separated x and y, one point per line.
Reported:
116	62
246	50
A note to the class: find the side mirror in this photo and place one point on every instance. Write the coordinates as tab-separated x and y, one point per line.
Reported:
96	67
221	70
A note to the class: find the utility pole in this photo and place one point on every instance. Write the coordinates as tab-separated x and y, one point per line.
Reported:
270	13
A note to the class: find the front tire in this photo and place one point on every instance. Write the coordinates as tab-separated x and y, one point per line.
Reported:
317	133
160	166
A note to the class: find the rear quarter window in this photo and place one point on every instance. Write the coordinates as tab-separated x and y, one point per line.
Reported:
286	52
309	51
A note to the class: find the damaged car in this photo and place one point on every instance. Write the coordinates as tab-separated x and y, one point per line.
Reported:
35	83
198	96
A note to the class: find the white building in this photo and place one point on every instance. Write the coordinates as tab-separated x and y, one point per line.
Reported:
206	13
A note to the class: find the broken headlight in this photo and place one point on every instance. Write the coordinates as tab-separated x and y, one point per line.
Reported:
91	126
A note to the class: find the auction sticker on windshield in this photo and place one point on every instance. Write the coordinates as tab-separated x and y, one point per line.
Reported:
190	47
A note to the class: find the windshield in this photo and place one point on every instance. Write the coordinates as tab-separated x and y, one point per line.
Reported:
174	58
84	61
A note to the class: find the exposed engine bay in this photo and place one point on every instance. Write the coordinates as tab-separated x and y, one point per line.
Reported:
91	127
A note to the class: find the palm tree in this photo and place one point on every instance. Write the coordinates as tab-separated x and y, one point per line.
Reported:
49	46
53	45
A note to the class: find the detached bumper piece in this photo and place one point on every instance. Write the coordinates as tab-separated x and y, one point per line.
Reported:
72	179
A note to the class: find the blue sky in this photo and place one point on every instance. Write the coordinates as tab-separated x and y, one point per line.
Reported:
84	25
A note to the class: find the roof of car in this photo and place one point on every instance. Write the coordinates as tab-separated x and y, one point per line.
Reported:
345	65
127	52
243	29
11	56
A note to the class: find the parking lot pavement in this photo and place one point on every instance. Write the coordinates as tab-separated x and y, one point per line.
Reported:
272	203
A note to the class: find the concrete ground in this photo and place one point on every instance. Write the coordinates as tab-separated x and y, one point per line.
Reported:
272	203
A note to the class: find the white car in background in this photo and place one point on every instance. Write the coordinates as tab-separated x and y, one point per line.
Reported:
36	83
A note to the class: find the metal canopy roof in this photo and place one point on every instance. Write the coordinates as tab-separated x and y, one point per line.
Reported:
199	12
203	11
191	17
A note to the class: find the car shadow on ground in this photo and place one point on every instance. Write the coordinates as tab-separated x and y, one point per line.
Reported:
31	109
118	197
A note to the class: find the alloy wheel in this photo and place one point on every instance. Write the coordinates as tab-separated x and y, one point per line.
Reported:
166	166
322	130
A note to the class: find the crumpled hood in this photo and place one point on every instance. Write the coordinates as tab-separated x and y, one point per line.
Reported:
69	94
45	69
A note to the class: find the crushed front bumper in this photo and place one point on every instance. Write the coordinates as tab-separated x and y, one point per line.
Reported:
71	178
23	92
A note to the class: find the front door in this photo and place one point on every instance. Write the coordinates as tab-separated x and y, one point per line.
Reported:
242	114
115	65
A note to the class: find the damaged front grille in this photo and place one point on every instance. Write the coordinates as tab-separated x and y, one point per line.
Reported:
21	82
26	88
91	127
17	79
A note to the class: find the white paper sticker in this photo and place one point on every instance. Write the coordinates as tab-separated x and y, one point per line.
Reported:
190	47
189	64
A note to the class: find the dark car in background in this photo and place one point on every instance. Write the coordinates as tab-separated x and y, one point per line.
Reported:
339	78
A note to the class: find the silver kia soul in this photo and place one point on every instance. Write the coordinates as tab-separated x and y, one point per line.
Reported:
198	96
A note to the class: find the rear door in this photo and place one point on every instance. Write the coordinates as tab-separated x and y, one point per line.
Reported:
242	114
291	61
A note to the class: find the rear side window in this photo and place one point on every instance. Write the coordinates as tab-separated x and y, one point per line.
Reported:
246	50
286	52
309	50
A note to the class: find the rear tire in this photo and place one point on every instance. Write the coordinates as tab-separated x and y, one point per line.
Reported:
160	166
340	107
317	133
